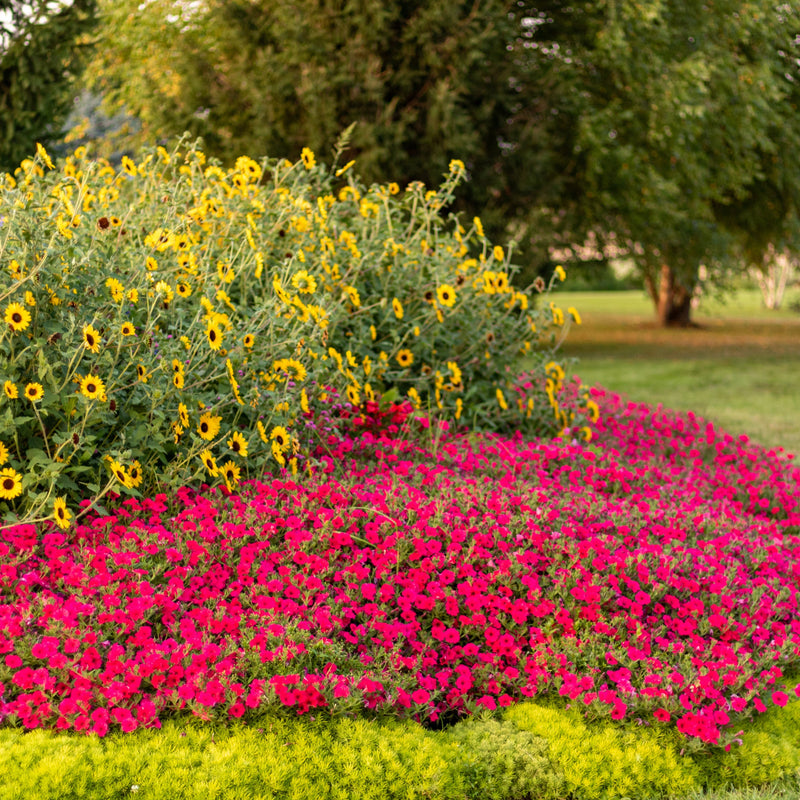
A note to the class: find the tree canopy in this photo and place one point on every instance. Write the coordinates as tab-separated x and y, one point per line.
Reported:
41	46
674	120
426	80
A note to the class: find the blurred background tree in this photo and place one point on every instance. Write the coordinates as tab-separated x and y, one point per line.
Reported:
426	81
675	120
42	53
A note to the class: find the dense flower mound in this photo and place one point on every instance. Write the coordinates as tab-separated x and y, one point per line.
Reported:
648	575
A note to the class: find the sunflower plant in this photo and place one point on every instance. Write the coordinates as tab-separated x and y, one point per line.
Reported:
171	321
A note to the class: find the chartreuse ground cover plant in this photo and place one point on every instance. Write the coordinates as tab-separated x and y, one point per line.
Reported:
170	322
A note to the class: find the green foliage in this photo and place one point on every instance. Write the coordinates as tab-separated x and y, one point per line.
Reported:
502	762
167	315
41	54
602	761
667	128
537	751
768	750
341	760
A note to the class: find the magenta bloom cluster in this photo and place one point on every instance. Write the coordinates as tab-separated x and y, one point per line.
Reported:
650	575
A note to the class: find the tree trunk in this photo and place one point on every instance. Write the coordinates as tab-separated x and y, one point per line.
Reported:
776	269
673	301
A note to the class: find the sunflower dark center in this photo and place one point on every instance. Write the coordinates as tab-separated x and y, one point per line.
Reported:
16	317
8	484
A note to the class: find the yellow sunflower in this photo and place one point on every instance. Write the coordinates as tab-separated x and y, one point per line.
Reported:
12	393
397	306
208	427
3	453
141	373
10	484
249	341
280	437
353	296
128	166
134	474
209	462
214	335
127	329
61	513
92	387
119	472
405	358
183	413
91	338
34	392
446	294
277	454
117	290
178	380
238	444
250	169
292	368
17	316
309	161
231	473
303	282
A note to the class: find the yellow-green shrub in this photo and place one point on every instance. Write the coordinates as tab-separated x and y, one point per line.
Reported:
604	762
291	760
140	301
498	761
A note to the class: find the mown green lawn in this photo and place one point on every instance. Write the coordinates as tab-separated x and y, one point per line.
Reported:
739	368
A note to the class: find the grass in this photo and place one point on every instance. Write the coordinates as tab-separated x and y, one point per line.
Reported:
740	368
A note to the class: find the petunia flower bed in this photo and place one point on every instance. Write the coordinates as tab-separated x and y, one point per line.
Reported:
428	573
